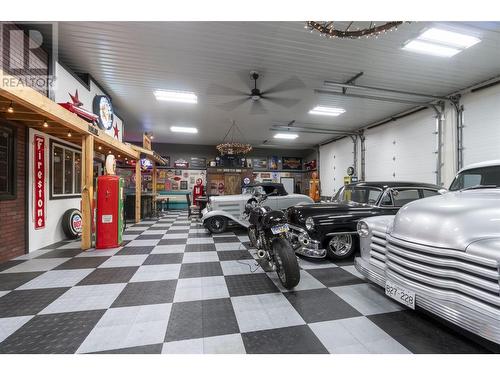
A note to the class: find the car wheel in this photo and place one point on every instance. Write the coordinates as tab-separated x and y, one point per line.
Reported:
216	224
341	246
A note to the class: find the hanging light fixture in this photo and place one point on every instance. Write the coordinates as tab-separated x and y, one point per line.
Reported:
11	108
353	30
45	124
69	134
229	147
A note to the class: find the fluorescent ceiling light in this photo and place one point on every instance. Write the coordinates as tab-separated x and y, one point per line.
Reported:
176	96
430	48
183	129
286	136
326	111
449	38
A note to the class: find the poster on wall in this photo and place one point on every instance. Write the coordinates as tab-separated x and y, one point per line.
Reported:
184	185
198	163
273	163
39	181
292	163
259	163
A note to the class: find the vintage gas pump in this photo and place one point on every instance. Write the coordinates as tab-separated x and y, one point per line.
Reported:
109	223
197	191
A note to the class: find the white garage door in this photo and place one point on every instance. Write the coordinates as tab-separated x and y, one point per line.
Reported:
403	150
334	159
481	133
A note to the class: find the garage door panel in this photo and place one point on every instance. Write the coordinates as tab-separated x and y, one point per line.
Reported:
402	150
481	133
335	158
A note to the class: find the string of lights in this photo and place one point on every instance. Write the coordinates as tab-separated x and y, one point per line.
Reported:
329	30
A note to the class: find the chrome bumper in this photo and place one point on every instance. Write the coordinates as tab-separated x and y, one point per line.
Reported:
303	244
482	324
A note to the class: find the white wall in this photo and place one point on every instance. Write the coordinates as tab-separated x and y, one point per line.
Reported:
67	84
334	159
55	208
481	133
402	150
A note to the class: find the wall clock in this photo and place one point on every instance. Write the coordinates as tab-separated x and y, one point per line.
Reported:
103	108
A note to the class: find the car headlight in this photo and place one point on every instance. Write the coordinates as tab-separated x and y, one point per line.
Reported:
363	229
309	223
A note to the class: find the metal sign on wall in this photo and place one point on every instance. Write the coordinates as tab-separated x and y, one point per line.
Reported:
39	182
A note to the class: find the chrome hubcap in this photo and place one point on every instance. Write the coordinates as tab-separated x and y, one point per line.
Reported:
341	245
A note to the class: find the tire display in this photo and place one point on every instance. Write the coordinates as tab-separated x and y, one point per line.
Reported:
72	223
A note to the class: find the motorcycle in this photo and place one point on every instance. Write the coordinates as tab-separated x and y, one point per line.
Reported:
268	233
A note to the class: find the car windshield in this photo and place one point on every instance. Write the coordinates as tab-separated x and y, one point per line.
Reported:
487	177
363	195
252	190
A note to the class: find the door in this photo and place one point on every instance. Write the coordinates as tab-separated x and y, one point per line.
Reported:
232	183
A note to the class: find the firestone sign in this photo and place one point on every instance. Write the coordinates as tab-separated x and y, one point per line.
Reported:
39	182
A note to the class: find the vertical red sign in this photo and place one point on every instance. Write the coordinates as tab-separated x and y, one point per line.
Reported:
39	181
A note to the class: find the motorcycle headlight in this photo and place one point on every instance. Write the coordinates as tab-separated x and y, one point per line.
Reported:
363	229
309	223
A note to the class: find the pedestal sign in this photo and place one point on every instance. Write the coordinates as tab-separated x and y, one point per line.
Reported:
39	182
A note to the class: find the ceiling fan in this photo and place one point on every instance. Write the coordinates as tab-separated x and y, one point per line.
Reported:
257	96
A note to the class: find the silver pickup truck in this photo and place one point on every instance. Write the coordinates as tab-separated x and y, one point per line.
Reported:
442	253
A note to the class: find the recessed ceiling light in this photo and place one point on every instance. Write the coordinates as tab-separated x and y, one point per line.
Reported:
176	96
183	129
286	136
430	48
449	38
439	42
326	111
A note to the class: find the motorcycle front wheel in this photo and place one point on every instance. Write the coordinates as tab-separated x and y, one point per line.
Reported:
287	266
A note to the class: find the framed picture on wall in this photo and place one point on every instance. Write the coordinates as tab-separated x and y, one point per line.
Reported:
184	185
291	163
273	163
260	163
200	163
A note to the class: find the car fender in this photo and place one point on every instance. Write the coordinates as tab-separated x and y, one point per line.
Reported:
213	213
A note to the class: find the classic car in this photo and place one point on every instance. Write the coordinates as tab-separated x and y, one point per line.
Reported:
329	229
229	209
442	254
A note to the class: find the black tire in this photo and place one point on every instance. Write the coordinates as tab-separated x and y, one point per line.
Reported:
69	221
287	266
216	224
341	253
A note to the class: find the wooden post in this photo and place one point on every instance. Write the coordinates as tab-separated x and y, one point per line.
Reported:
87	180
138	189
154	187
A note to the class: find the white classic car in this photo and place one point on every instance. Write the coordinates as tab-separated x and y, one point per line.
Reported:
442	253
228	209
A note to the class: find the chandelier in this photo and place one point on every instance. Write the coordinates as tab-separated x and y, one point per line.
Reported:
229	147
353	30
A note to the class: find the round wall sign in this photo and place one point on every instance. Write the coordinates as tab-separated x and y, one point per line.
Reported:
104	110
246	180
350	171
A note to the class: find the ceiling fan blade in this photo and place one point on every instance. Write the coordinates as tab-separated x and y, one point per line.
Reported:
284	102
229	106
258	108
292	83
215	89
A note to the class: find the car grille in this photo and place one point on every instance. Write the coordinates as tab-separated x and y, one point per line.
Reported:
444	269
378	250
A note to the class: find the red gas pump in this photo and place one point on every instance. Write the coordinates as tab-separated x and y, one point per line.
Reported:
109	220
198	191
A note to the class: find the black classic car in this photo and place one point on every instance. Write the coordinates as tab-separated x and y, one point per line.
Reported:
329	229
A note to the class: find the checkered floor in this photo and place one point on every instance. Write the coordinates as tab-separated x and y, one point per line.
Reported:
173	288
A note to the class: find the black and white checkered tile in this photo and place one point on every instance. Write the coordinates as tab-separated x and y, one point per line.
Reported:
173	288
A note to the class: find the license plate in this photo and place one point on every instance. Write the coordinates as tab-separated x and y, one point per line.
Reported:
277	229
402	295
